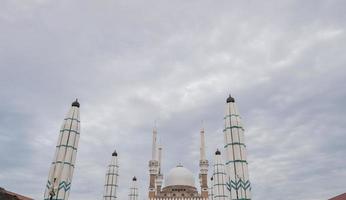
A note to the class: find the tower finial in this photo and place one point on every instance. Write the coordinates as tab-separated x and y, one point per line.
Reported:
230	99
202	125
115	153
76	103
217	152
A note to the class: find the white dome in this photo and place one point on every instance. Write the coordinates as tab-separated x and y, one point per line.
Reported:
179	176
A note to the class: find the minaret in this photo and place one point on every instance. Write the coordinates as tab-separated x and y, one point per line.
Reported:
110	191
220	191
236	163
153	165
61	170
133	190
203	165
159	178
211	192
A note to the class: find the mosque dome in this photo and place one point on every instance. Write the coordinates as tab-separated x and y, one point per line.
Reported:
180	176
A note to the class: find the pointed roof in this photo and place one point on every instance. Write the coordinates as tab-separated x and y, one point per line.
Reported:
230	99
115	153
134	178
76	103
217	152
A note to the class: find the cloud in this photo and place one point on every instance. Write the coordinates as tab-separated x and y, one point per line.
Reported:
131	63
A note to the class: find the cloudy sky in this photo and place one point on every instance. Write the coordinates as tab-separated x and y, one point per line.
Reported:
133	62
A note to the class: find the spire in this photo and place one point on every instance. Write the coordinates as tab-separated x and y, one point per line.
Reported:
220	191
61	170
111	180
202	147
154	144
235	148
133	189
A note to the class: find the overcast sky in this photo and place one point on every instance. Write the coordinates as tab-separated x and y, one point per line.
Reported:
133	62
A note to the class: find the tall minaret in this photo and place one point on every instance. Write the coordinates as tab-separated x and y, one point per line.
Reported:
61	170
203	165
159	178
110	191
220	191
236	163
133	190
153	165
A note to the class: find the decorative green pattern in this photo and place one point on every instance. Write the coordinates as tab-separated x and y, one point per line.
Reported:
65	163
234	115
234	143
234	161
238	184
64	185
68	131
230	127
67	146
72	119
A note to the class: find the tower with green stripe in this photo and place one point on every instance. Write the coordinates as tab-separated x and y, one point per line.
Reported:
61	170
238	183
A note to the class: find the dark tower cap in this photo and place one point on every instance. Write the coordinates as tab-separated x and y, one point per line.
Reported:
230	99
217	152
134	178
211	178
115	153
76	103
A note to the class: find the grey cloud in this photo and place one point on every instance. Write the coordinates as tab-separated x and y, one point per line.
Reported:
132	63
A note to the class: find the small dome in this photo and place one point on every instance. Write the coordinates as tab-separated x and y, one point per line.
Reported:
180	176
76	103
230	99
134	179
217	152
115	153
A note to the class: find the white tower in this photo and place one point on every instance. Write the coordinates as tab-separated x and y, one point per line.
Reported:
220	191
133	190
110	191
203	165
211	189
236	162
61	170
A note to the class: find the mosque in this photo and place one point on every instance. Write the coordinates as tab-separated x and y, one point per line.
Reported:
229	180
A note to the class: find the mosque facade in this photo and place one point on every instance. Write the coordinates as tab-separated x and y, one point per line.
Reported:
229	178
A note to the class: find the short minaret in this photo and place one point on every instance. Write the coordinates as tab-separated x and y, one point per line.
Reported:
220	191
153	165
203	165
159	178
61	170
211	192
236	163
133	190
110	191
